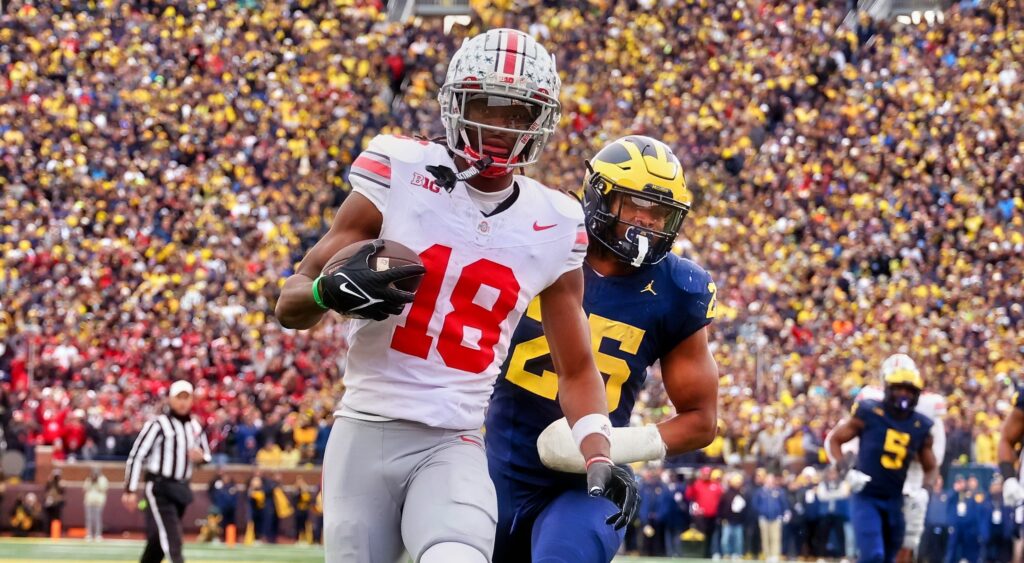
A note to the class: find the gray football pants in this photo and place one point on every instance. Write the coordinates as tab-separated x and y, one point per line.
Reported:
389	484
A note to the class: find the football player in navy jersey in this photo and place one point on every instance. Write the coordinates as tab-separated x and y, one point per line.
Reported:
644	305
891	435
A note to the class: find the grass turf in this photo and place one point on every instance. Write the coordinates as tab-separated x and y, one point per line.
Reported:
42	550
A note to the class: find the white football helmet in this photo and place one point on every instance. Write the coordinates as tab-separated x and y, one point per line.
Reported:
499	69
899	369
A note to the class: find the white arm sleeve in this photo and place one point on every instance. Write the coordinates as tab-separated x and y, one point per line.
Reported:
558	449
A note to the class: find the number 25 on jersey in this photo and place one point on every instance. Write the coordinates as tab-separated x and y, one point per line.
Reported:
537	354
466	319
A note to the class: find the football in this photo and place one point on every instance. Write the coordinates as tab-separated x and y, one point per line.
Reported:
392	255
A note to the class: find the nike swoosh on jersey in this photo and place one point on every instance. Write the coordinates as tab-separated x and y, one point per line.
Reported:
537	227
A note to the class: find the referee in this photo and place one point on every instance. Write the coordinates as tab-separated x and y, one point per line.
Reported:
165	451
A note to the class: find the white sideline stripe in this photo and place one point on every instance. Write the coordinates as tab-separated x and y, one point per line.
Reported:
164	545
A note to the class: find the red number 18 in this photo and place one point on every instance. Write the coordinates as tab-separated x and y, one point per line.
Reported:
412	338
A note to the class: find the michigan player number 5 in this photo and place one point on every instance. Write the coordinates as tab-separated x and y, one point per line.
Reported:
895	449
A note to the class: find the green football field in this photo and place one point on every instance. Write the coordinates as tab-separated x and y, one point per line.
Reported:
38	550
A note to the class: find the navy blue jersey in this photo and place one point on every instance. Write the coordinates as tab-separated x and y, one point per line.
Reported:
1018	399
887	446
634	320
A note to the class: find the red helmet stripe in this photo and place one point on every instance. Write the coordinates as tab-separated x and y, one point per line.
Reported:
511	53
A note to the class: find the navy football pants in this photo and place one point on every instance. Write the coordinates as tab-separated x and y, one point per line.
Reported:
551	524
878	525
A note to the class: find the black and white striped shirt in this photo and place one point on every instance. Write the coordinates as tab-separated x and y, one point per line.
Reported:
162	449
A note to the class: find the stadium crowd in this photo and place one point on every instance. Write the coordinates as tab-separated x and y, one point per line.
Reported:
856	188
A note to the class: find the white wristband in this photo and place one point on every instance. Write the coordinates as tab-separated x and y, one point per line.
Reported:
591	424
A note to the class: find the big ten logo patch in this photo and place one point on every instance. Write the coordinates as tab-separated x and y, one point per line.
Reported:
427	183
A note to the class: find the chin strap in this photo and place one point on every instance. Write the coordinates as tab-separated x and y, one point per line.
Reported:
446	177
478	167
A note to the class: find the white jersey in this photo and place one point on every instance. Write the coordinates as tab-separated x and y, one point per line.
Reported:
436	363
930	405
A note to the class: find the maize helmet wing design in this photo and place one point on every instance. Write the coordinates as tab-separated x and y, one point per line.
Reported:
635	199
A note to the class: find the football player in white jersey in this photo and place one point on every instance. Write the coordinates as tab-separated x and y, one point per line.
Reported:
405	464
915	497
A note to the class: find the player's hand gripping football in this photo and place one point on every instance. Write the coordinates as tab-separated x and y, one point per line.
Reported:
617	485
355	289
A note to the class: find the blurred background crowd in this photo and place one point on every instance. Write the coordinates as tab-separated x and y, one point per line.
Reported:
164	164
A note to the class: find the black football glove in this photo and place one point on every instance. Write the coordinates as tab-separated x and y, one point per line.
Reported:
617	485
356	290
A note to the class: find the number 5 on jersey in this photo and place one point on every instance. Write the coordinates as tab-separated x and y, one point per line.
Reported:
895	448
467	318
